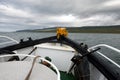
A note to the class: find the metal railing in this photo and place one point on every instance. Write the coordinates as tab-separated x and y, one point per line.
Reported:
106	57
7	42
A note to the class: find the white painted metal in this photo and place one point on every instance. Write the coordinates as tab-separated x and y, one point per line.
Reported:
18	71
9	38
94	72
3	43
55	46
61	55
38	70
26	50
105	45
110	47
108	59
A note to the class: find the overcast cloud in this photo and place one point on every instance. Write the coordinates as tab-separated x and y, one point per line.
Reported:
34	14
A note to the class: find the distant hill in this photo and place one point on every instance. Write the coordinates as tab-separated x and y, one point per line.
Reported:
85	29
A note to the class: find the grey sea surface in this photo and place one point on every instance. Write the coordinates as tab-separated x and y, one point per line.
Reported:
90	39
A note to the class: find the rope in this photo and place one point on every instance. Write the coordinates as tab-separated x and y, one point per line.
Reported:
33	63
29	53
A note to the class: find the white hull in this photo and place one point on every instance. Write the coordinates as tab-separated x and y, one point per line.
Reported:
61	57
19	70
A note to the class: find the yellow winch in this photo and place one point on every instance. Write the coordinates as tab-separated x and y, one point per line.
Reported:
61	32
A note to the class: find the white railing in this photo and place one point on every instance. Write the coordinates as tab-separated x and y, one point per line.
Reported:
109	47
11	40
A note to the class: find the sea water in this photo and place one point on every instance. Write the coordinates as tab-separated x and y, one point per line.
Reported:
90	39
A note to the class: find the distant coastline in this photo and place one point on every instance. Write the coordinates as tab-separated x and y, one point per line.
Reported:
85	29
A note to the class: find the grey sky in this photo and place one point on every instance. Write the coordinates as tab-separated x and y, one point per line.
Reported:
33	14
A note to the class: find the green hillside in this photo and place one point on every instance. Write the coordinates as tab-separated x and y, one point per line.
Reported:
85	29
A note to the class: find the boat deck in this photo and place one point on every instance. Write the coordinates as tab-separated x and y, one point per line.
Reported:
65	76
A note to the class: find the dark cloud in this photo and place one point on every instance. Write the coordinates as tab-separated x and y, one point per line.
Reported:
24	14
